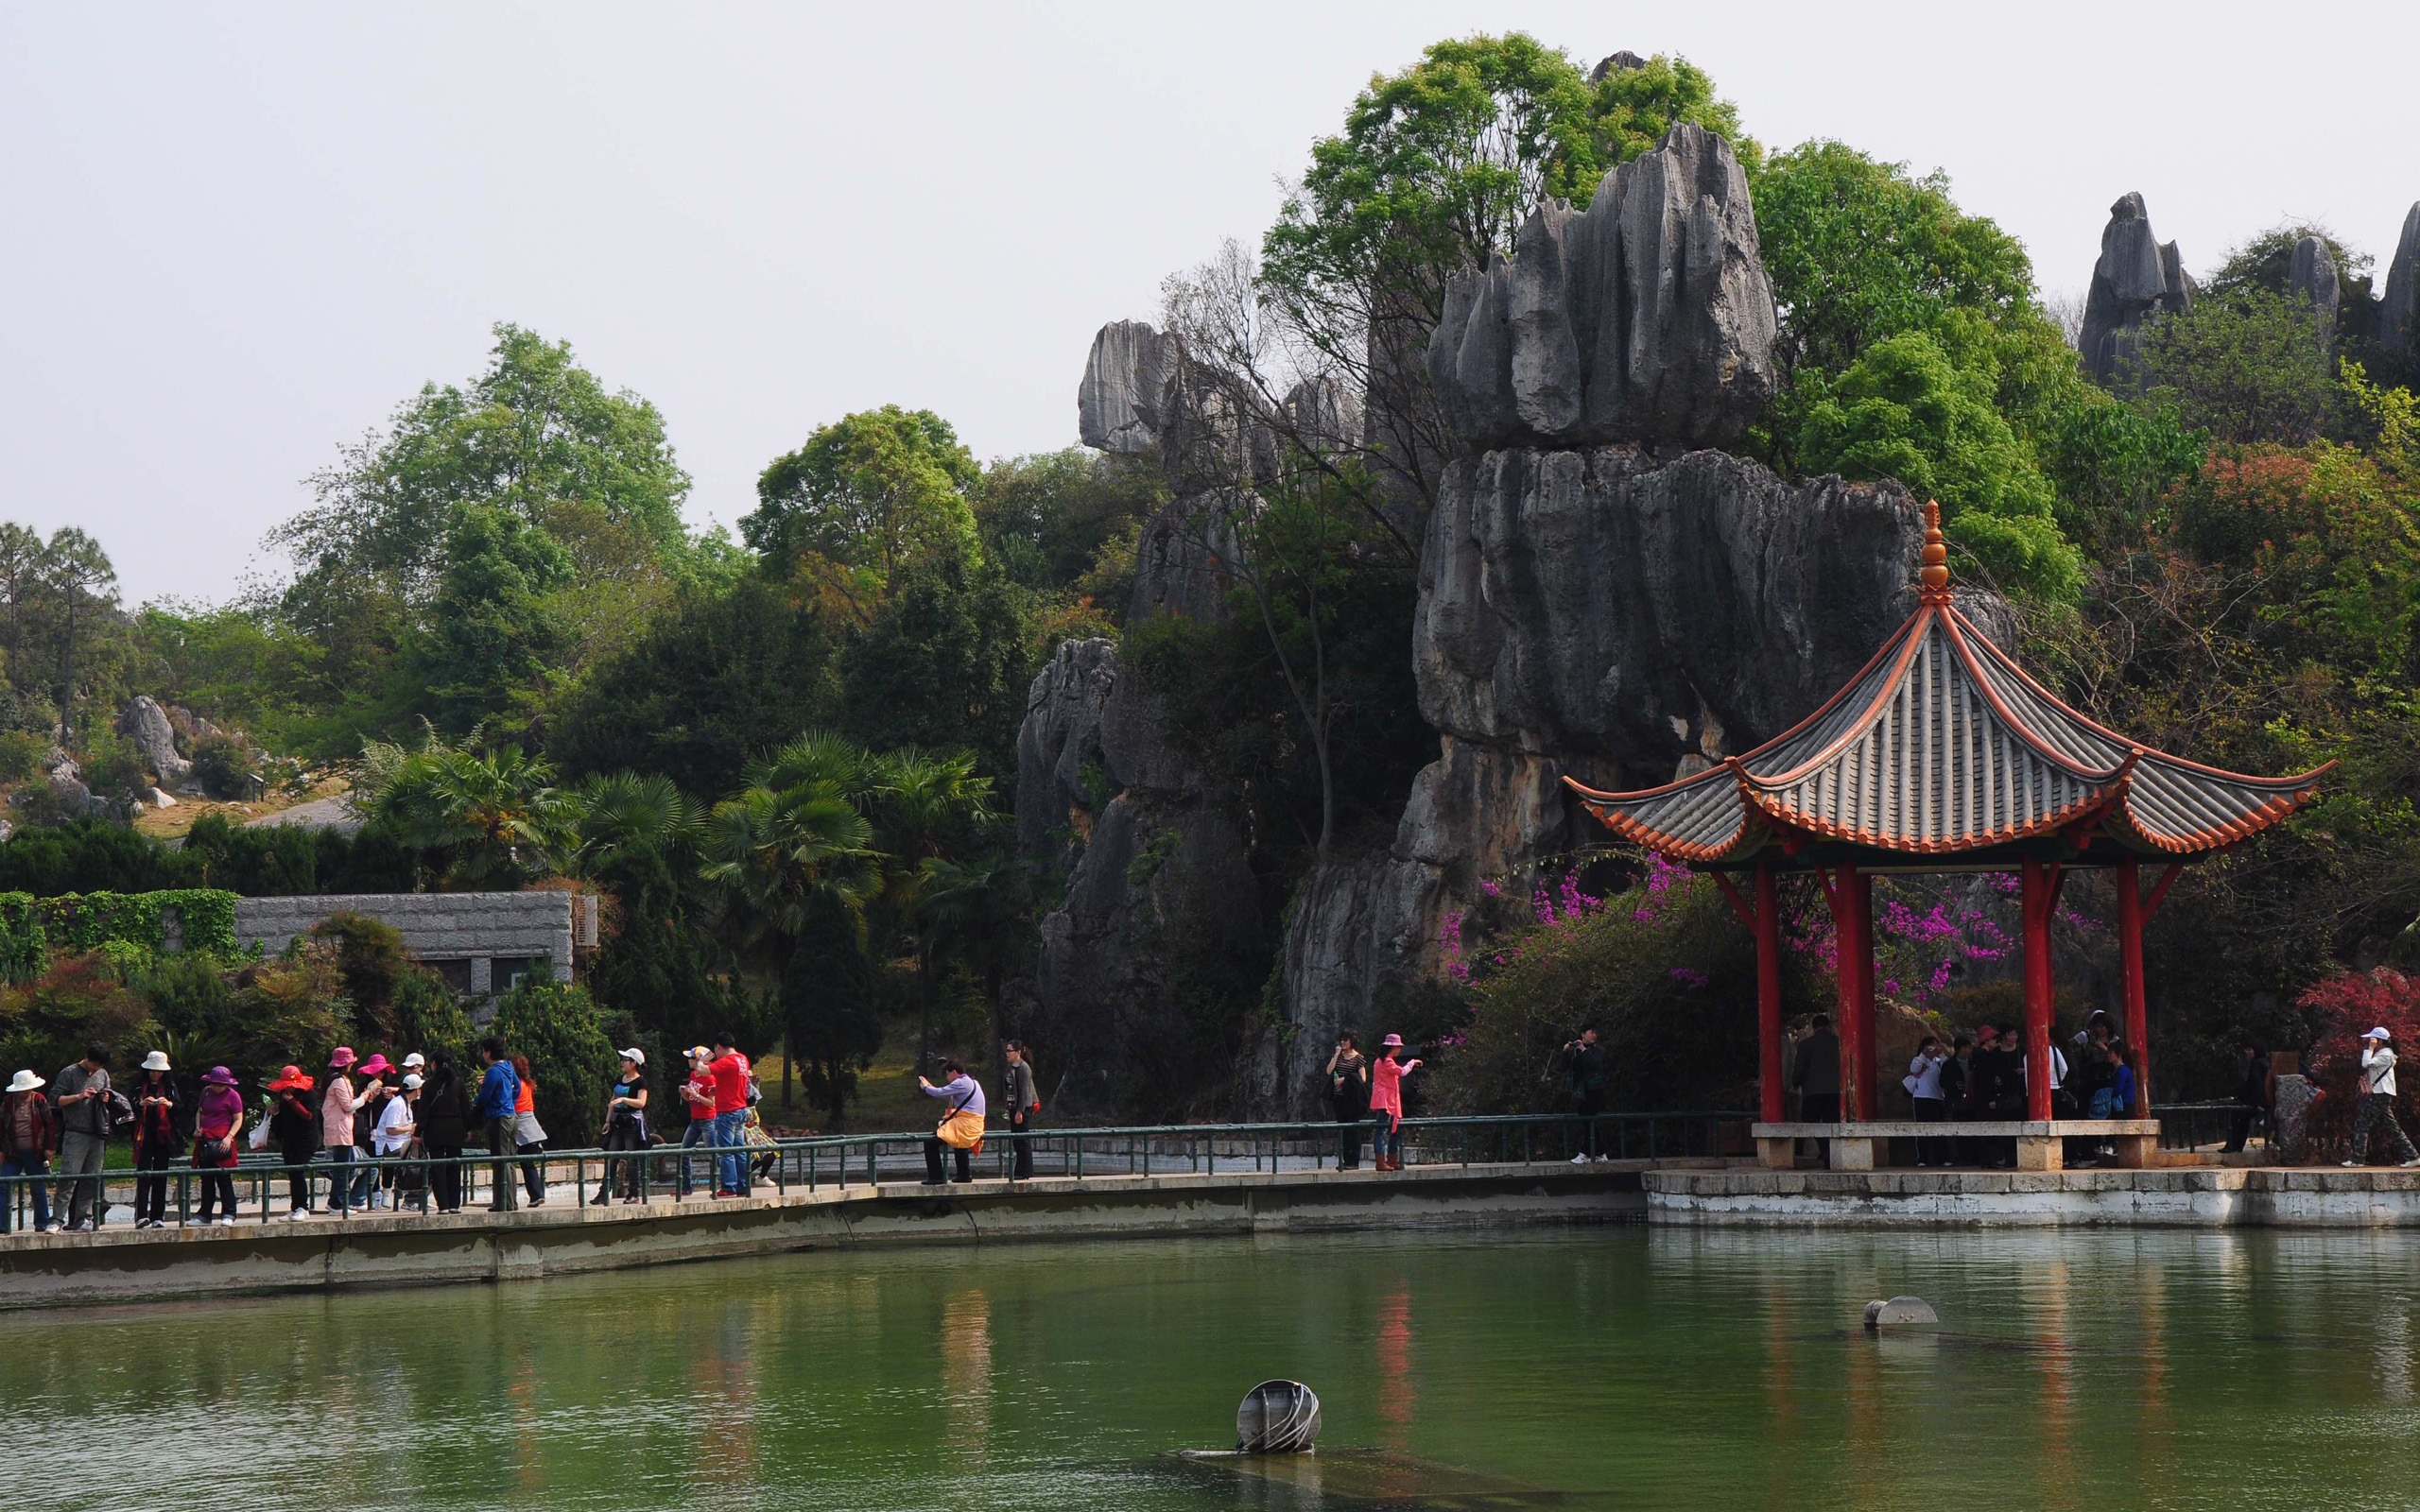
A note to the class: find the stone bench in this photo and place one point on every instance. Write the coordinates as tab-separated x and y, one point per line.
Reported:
2038	1141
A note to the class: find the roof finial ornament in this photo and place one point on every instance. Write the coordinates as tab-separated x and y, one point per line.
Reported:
1935	575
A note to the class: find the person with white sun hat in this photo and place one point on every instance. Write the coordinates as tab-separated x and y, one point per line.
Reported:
2377	1100
28	1132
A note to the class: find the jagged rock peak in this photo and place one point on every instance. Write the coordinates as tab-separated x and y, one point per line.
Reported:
2397	327
1621	62
1645	317
1123	403
2311	276
2136	274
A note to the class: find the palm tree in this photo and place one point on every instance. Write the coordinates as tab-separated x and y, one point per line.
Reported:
493	818
974	910
926	806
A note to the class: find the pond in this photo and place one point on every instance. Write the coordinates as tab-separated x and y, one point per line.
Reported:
1620	1368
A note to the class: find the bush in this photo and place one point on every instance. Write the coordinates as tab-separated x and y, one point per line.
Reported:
226	769
21	754
555	1024
113	767
1664	971
2343	1008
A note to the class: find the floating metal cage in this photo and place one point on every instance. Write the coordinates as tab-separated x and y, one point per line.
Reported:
1277	1418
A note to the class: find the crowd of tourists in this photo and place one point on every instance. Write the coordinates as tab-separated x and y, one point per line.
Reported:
1986	1076
366	1133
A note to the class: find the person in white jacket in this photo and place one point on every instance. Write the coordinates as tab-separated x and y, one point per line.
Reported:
2377	1100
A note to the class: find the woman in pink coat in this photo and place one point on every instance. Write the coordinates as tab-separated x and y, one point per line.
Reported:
1386	1101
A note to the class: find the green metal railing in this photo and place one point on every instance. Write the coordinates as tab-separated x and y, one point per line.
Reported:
2190	1125
262	1185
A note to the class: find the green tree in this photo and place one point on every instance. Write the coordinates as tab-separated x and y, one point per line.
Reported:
536	436
1859	251
1047	520
76	573
946	660
2249	366
721	675
1434	171
1905	410
831	1016
872	491
477	819
925	807
493	636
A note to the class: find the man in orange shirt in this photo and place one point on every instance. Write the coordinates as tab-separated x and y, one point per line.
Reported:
730	1069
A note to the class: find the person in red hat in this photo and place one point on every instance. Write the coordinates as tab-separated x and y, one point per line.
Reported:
1386	1103
294	1128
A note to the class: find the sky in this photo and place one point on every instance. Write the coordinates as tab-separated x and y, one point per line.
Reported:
234	238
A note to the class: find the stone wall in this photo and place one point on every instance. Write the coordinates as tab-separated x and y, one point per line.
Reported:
445	929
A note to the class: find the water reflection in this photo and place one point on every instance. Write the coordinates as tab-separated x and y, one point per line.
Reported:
1652	1371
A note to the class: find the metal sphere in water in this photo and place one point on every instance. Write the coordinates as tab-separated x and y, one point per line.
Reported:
1277	1418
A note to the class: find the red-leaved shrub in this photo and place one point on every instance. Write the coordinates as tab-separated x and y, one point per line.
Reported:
2343	1008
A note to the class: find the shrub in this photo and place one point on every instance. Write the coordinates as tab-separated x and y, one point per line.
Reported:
21	754
226	769
2341	1008
557	1026
113	767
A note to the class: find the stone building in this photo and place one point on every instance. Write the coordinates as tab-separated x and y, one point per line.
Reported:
481	943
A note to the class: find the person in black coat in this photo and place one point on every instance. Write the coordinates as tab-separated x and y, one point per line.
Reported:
2251	1095
443	1118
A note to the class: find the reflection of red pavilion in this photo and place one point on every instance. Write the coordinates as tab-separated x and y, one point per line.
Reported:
1943	755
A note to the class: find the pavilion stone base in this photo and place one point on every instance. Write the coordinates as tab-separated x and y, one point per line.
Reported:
2167	1197
2039	1142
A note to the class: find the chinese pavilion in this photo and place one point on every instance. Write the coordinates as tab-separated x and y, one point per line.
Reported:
1943	755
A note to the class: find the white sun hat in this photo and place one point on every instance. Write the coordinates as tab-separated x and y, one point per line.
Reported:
25	1081
2378	1033
156	1060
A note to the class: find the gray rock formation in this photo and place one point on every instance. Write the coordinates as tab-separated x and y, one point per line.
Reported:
1129	380
2396	326
1647	317
2311	278
146	724
2136	274
1158	878
1597	614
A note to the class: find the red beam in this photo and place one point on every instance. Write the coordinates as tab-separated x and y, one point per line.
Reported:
1738	905
2159	893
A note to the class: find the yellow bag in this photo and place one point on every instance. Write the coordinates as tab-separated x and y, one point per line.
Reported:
963	1130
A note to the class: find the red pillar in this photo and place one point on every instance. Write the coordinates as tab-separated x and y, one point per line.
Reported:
2035	900
1857	889
2130	960
1769	993
1852	897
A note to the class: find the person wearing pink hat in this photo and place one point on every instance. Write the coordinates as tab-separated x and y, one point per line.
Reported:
2377	1100
220	1116
337	1105
378	1088
1386	1103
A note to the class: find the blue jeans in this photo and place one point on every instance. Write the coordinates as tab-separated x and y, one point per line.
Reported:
700	1131
1386	1141
337	1187
731	1165
28	1163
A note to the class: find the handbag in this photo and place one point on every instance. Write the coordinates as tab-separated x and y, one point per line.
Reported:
258	1138
1909	1082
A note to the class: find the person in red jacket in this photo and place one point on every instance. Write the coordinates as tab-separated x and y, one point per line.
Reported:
28	1132
1386	1101
730	1069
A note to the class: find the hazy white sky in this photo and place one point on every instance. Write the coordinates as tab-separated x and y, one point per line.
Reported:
235	236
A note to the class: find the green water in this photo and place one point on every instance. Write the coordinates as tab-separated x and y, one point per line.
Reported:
1628	1369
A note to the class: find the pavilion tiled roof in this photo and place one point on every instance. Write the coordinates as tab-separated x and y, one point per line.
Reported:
1943	743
